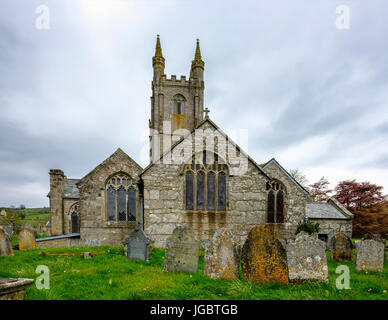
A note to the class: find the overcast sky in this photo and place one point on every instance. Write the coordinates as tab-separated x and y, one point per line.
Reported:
313	96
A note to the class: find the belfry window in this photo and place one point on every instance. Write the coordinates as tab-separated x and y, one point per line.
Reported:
275	202
179	104
205	185
121	198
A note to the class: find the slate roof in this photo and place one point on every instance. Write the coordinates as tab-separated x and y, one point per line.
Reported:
70	189
323	210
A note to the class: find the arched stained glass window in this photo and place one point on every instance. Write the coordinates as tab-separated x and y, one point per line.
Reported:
121	194
179	104
275	202
74	223
111	195
211	190
206	184
121	200
189	190
131	205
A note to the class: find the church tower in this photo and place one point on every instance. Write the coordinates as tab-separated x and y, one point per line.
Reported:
175	103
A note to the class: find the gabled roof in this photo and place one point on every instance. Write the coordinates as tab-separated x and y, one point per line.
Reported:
118	152
273	160
207	120
70	189
325	210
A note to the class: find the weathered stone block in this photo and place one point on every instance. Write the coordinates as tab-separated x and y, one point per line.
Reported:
306	257
342	248
370	255
263	257
181	253
5	244
26	239
222	256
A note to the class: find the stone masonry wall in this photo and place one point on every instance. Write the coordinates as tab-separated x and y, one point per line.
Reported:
164	201
95	229
56	201
325	226
295	203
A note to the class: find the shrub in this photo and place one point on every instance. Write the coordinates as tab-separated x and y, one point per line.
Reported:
309	227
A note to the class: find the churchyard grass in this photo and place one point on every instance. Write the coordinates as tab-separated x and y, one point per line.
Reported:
112	276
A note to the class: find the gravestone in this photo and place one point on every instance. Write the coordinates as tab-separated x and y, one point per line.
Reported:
137	245
181	252
87	255
8	229
222	256
5	244
263	257
26	238
342	248
306	257
370	254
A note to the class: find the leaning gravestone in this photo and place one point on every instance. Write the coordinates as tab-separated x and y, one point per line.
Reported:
5	244
263	257
342	248
181	252
370	254
137	245
306	257
222	258
7	228
26	238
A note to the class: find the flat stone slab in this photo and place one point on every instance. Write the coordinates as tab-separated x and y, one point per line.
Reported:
222	258
263	257
14	289
306	257
181	252
341	248
370	255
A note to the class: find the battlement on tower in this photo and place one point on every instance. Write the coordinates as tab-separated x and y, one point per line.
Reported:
173	81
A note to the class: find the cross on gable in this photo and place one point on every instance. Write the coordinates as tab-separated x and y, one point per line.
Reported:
206	112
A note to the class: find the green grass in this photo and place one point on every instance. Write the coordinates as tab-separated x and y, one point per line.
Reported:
112	276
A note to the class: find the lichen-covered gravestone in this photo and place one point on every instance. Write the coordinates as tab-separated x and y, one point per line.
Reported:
222	258
137	245
5	244
306	257
370	254
342	248
263	257
181	252
26	238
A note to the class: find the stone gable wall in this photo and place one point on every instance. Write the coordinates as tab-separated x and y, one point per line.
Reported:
95	229
164	202
295	203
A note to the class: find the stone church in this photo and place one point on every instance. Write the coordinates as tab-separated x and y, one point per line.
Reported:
197	176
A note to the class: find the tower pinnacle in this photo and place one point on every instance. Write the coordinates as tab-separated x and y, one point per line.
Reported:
197	62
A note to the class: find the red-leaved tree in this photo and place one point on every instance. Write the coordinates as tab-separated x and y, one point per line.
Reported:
368	205
320	190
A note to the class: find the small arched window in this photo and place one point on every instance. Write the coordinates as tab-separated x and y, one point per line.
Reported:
179	104
121	198
74	218
275	202
205	185
74	223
